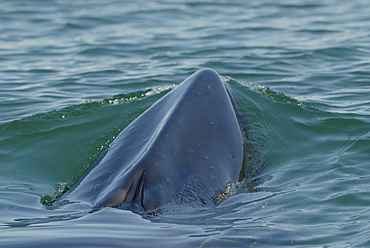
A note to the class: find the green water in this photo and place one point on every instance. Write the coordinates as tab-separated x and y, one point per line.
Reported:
74	74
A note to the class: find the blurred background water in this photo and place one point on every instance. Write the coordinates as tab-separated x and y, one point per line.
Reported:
73	74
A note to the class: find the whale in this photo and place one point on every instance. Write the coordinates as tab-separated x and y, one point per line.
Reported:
180	153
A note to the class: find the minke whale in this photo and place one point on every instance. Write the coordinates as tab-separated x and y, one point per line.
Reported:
181	152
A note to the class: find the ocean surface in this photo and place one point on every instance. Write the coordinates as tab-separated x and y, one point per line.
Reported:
73	74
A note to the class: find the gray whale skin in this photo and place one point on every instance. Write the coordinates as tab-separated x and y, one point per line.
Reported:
181	152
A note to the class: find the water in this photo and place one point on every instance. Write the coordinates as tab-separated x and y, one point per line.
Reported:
74	74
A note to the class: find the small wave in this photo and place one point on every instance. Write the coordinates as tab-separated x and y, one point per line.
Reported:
98	51
274	95
38	121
